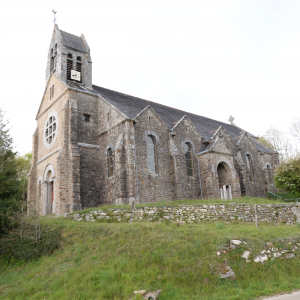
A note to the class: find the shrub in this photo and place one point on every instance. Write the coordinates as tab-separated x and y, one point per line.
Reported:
287	176
30	241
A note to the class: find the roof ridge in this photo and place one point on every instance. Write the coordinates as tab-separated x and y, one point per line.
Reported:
162	105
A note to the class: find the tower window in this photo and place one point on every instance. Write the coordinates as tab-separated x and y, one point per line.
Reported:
69	68
151	157
188	159
78	67
86	117
107	117
110	162
78	58
70	56
51	61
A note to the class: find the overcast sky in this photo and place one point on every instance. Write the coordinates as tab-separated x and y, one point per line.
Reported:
212	58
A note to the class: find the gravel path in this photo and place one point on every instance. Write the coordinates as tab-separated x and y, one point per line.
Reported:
292	296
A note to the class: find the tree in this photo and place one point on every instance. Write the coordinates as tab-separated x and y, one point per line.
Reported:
265	141
9	180
23	168
278	141
287	176
295	129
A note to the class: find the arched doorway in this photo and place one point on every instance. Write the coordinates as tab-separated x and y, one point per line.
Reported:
49	190
225	180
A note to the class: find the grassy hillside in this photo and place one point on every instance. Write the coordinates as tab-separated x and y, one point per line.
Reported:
110	261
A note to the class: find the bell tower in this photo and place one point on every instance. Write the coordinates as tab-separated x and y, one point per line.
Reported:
69	58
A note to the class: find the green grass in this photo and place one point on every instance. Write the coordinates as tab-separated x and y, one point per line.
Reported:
110	261
245	200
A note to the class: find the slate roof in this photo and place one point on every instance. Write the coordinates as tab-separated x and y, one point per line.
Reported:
73	41
132	106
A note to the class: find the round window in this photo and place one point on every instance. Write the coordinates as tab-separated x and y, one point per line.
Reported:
50	130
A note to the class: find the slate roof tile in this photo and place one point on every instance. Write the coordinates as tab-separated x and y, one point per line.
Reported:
73	41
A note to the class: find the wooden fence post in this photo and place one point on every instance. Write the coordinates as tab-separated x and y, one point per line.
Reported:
256	215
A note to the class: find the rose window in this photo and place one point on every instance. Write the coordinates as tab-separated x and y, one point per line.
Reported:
50	130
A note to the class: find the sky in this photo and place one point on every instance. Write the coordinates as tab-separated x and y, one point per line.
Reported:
213	58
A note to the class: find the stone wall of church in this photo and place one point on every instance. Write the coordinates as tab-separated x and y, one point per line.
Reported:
157	185
255	184
89	177
186	187
87	141
120	186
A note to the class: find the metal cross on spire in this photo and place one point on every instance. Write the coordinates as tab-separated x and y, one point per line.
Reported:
54	15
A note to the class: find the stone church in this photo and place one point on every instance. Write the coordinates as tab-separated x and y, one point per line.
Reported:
96	146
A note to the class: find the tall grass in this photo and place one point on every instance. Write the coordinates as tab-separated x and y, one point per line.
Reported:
110	261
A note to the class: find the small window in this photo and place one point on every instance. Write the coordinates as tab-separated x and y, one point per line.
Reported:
110	162
151	157
249	165
70	56
55	48
107	117
149	119
86	117
188	159
78	58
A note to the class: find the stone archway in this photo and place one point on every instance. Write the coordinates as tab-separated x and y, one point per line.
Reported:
225	180
49	190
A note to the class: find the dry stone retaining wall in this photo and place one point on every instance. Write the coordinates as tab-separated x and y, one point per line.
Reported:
268	213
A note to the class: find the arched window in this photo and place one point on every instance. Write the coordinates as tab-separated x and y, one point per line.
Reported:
50	130
110	162
69	66
151	157
188	159
269	173
249	165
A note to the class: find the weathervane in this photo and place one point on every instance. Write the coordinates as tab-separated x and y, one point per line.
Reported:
231	118
54	16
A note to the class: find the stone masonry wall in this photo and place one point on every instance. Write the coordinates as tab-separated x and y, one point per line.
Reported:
186	187
153	186
231	212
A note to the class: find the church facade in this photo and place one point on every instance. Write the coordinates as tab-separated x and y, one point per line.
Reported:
95	146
